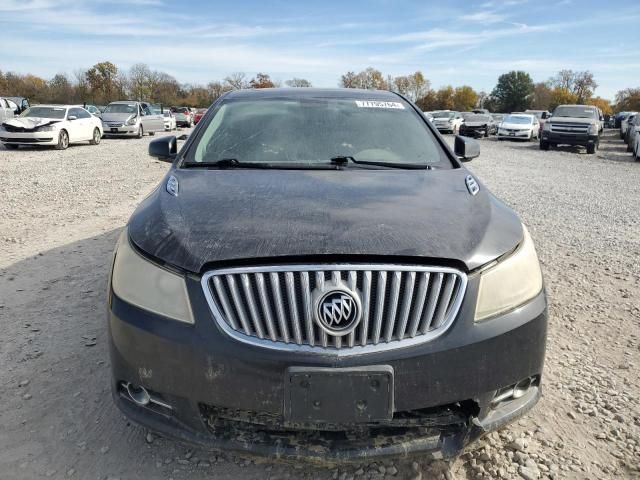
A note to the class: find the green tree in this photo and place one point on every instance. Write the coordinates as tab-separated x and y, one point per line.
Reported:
628	100
445	98
298	83
562	96
103	82
514	91
464	98
60	89
261	80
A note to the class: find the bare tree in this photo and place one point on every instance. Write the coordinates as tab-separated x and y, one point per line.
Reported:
237	81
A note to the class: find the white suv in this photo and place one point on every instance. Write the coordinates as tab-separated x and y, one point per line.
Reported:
447	121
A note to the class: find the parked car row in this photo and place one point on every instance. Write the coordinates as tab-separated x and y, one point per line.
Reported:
630	133
61	125
481	123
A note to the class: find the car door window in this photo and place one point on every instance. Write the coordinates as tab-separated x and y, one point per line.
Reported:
75	112
82	113
147	111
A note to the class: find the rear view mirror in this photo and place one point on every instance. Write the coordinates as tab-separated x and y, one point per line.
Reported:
466	148
72	117
164	149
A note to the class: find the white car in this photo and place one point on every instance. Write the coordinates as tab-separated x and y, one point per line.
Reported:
520	126
447	121
169	120
55	125
636	145
624	123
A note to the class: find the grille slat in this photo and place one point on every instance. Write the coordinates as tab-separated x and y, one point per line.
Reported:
277	295
406	304
420	299
393	306
228	312
306	301
434	293
380	294
274	307
266	308
293	307
237	301
366	303
253	309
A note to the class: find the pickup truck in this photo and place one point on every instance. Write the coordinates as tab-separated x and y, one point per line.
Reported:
572	125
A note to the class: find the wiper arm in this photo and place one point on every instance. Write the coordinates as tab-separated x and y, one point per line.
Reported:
230	163
345	159
225	163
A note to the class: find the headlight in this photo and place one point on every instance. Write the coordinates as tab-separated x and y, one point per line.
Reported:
594	129
546	127
511	282
148	286
132	120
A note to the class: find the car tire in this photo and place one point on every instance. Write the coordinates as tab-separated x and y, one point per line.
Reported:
591	149
95	140
629	147
151	134
63	140
544	145
140	132
10	146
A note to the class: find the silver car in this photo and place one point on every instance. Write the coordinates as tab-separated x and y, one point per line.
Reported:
6	110
184	116
131	118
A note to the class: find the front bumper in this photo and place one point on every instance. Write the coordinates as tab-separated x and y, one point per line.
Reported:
122	130
474	131
29	138
519	134
570	139
227	395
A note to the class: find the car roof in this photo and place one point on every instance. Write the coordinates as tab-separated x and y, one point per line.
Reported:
313	93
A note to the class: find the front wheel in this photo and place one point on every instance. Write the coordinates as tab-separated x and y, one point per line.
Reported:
544	145
591	149
97	136
63	140
140	132
151	134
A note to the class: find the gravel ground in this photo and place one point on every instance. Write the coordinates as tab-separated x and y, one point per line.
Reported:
61	214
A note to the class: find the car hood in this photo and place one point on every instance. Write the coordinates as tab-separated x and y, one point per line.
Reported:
29	123
238	215
515	126
476	124
573	120
116	117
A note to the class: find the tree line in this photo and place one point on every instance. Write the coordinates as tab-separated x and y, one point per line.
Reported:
514	91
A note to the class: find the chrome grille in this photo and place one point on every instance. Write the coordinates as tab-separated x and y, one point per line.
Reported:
272	306
570	128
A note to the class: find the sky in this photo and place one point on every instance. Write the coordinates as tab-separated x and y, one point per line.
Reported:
452	42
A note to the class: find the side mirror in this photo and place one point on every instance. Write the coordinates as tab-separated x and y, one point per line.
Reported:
16	111
72	117
466	148
164	149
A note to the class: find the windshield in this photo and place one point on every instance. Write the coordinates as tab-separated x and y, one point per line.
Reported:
443	114
575	112
45	112
536	113
311	131
477	118
498	117
181	109
519	119
121	108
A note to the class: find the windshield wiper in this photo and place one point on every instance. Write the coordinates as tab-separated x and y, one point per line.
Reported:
230	163
345	159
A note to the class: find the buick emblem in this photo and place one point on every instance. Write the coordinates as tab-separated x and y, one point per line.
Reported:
338	311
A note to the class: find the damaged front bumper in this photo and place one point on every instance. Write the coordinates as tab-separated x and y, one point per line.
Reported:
206	388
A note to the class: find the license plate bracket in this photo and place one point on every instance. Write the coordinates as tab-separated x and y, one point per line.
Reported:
114	130
339	395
